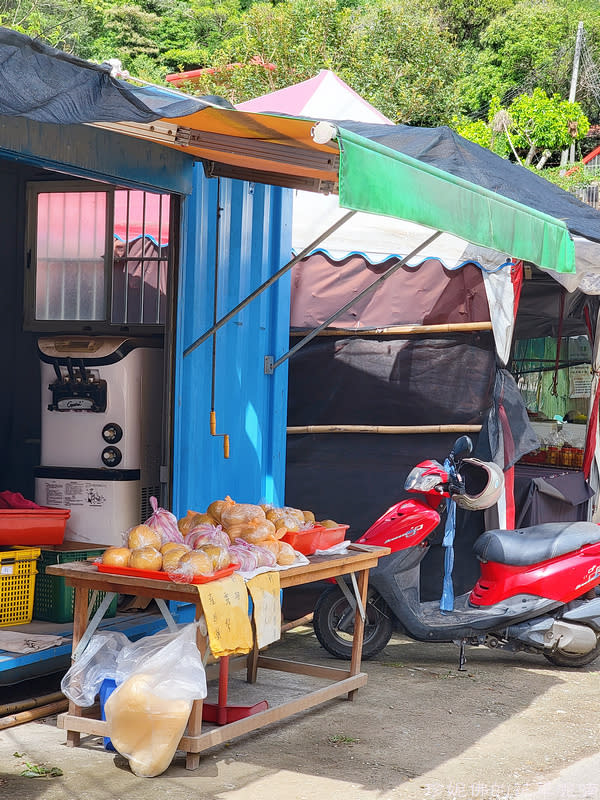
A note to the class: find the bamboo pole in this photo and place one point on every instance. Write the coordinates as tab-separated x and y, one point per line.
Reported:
398	330
34	713
296	623
395	429
31	702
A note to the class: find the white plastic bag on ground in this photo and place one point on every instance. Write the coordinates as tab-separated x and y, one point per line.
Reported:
148	712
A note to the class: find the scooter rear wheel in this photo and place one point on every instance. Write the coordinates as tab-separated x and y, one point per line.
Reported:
332	611
567	660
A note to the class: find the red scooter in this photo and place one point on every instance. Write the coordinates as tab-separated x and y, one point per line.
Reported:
537	590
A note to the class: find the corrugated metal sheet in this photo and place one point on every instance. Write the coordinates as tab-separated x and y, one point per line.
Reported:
254	240
96	154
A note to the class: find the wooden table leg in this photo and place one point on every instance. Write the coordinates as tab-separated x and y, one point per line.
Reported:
194	726
252	659
79	626
359	628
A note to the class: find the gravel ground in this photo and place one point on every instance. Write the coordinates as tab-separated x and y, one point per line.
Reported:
512	727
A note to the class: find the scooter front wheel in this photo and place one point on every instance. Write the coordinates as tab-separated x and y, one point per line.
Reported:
333	621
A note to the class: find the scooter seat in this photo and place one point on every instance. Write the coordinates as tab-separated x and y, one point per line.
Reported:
538	543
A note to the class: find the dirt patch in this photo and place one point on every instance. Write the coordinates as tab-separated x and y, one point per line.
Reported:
419	730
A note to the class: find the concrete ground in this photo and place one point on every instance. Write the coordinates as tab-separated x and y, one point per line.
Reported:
512	727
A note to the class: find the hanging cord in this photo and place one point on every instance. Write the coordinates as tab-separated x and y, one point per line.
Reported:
213	414
561	314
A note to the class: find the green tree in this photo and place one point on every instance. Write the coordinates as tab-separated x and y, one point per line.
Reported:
544	123
530	45
466	19
392	52
66	24
531	125
399	57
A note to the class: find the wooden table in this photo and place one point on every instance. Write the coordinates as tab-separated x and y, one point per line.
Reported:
83	576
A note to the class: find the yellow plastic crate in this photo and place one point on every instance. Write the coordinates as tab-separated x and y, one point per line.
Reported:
17	584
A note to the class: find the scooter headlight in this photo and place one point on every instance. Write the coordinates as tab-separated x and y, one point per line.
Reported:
421	480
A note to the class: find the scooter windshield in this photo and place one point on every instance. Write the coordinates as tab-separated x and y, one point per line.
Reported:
425	478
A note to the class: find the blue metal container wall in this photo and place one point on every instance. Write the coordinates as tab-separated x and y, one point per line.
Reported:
254	241
96	154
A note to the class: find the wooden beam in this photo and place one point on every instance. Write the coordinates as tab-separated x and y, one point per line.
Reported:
242	726
302	668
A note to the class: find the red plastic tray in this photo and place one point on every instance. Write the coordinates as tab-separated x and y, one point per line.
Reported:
315	538
159	575
33	526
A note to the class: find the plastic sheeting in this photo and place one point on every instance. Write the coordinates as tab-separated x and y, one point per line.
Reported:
392	381
47	85
491	444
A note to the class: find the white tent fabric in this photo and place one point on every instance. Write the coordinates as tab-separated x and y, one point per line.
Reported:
379	238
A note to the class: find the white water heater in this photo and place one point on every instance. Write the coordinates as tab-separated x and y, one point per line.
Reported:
100	433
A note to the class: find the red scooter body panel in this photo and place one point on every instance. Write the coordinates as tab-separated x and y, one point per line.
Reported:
562	579
403	525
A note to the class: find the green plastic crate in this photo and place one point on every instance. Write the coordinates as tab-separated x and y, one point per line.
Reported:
53	600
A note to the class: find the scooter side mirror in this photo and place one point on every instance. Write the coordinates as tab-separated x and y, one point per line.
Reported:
462	447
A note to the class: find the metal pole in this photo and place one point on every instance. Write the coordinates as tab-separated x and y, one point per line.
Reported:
272	366
570	152
267	283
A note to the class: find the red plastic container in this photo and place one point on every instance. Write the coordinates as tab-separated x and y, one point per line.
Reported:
33	526
330	536
305	542
315	538
158	575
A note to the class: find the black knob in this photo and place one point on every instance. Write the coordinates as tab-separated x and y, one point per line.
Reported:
111	456
112	433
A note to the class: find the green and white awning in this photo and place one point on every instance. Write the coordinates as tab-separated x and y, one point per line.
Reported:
379	180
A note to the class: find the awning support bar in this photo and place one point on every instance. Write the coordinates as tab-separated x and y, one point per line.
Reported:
271	365
307	250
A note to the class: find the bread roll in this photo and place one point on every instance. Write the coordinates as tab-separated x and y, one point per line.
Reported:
173	546
219	556
145	558
143	536
286	555
172	558
116	556
196	562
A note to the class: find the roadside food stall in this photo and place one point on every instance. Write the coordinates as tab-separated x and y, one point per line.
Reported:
216	302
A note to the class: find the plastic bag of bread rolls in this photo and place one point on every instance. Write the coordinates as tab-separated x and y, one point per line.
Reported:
253	530
164	523
236	513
